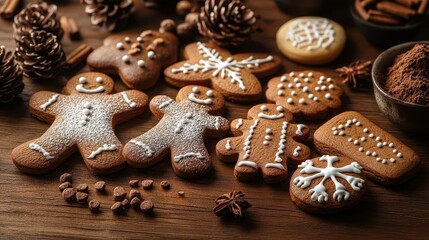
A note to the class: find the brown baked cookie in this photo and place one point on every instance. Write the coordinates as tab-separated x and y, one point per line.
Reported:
384	158
234	76
137	59
183	127
307	94
327	184
82	120
266	142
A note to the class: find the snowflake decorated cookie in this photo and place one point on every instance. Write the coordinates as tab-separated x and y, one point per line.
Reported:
266	142
184	125
327	184
311	40
82	120
384	158
137	58
234	76
307	94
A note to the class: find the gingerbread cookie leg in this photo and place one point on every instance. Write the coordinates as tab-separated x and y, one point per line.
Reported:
190	161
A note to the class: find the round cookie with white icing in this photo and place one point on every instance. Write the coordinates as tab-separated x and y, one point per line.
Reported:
311	40
266	142
184	125
81	120
307	94
138	59
327	184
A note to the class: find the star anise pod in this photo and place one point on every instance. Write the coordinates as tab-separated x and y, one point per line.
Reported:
356	74
231	203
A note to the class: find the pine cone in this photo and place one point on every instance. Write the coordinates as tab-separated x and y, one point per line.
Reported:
35	17
111	14
11	76
226	22
40	54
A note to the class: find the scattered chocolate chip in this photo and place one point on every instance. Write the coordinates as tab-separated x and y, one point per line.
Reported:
181	193
146	206
94	205
134	193
119	193
134	183
126	203
165	185
82	197
69	194
100	186
66	177
64	185
168	25
147	184
135	203
117	208
82	187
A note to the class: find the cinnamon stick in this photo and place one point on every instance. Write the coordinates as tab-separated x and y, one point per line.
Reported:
77	56
383	20
395	9
8	9
70	27
361	11
367	3
423	7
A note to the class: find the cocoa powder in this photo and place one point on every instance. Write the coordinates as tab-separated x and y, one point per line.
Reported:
408	78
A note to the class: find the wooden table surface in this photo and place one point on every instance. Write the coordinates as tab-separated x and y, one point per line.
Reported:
32	207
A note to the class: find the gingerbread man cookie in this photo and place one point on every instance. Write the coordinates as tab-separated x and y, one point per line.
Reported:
81	120
182	129
307	94
137	59
234	76
267	141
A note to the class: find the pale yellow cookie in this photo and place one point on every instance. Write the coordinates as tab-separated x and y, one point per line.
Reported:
311	40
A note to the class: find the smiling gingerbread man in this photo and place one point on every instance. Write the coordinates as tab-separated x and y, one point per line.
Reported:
83	121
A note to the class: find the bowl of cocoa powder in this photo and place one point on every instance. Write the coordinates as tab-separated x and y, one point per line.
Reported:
401	85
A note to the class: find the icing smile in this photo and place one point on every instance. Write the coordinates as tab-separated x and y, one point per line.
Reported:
80	88
271	117
193	98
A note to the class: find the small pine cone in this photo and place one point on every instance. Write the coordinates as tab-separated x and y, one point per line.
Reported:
40	54
226	22
35	17
111	14
10	76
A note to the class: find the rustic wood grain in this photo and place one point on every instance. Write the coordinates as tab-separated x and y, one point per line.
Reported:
31	207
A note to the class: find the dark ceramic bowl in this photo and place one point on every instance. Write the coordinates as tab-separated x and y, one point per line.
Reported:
410	116
384	35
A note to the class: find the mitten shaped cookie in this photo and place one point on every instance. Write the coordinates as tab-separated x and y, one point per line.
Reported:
267	142
137	59
183	127
82	120
327	184
307	94
234	76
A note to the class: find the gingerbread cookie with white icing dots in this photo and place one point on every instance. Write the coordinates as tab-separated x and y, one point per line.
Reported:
234	76
307	94
327	184
184	125
384	158
267	141
137	58
82	120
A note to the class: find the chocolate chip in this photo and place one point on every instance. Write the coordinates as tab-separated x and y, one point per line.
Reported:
146	206
119	193
126	203
66	177
134	193
82	197
69	194
64	185
181	193
135	203
134	183
82	187
117	208
165	185
147	184
94	205
100	186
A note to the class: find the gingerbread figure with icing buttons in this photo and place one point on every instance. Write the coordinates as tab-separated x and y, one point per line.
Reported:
184	125
137	59
82	120
267	142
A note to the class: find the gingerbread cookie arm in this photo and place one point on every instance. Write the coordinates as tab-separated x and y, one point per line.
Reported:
260	64
217	126
159	105
227	149
128	104
45	105
103	59
238	125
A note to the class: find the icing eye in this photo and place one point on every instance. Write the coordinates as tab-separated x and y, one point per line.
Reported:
279	108
151	55
139	39
140	63
195	90
127	39
264	108
82	80
209	93
120	46
99	79
126	59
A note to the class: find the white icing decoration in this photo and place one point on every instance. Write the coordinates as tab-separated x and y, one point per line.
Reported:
270	117
127	39
104	148
213	61
151	55
139	39
264	108
296	151
141	63
120	46
279	109
193	98
299	129
189	154
311	33
80	88
128	100
165	104
228	145
99	79
217	123
82	80
50	101
146	148
282	146
247	163
249	137
289	100
196	90
210	93
37	147
239	123
184	121
126	59
275	165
